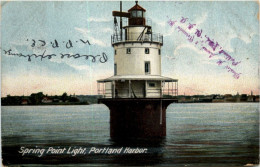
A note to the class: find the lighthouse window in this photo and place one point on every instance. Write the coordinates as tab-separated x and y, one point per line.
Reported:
133	13
151	84
147	51
139	13
159	51
128	50
115	52
115	69
147	67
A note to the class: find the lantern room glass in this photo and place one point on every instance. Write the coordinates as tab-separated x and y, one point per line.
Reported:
133	13
139	13
136	13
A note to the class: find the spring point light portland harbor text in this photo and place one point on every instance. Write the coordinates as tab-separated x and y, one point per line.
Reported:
137	95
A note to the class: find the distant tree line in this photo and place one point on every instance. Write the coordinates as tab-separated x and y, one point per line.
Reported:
41	99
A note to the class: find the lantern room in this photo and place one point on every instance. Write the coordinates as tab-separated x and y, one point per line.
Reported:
137	15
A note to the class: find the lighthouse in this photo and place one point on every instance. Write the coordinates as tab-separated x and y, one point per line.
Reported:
137	95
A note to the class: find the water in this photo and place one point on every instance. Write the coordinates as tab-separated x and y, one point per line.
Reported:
223	134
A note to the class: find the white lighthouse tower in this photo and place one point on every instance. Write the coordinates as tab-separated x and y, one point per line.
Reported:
137	76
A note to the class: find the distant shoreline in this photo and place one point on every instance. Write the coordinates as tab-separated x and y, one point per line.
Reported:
70	104
50	104
40	99
224	102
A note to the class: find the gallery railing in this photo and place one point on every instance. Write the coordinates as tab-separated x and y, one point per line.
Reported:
149	93
137	37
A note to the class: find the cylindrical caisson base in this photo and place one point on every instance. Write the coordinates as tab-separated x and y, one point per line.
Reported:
137	118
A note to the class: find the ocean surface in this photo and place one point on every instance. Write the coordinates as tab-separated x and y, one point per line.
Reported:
200	134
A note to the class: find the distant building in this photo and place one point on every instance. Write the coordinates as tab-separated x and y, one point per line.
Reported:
182	98
251	98
24	102
243	97
56	100
229	98
46	100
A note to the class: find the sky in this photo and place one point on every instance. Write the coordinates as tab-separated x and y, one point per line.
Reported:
234	25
